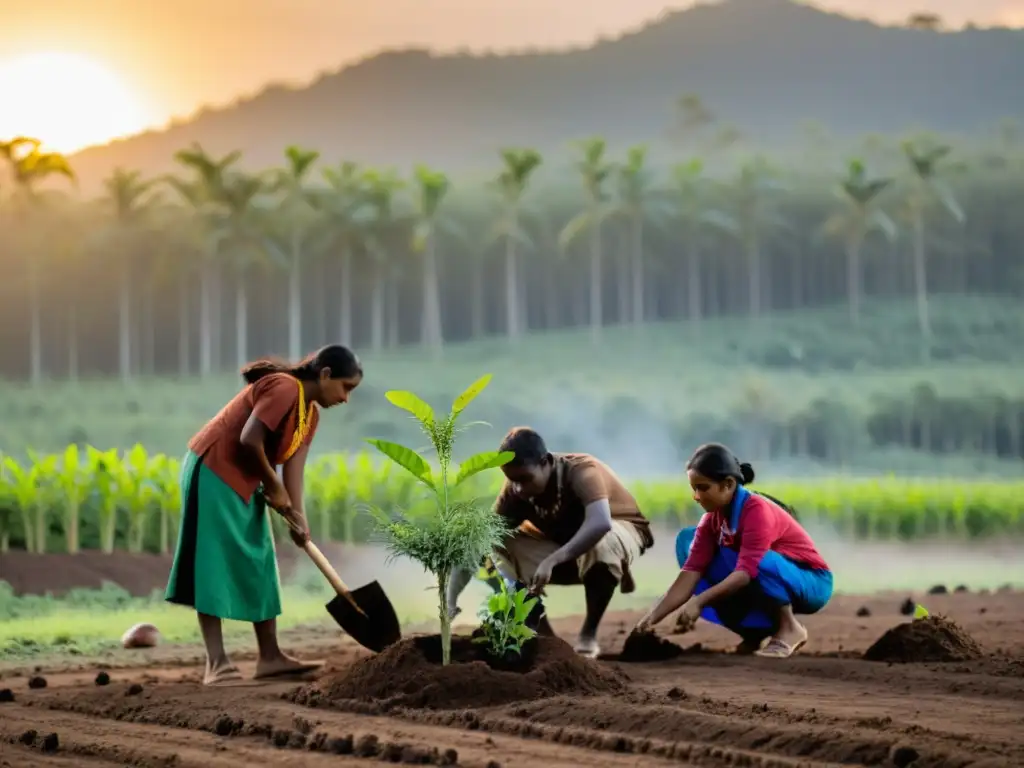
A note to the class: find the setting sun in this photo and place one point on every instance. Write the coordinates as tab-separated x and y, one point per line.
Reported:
67	101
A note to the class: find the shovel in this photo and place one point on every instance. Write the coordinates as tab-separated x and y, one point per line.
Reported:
365	614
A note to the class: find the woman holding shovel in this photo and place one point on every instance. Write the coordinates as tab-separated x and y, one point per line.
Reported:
748	565
225	565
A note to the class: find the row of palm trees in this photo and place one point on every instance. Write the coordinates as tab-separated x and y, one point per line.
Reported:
236	222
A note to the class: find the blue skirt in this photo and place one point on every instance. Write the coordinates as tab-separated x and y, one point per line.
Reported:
751	612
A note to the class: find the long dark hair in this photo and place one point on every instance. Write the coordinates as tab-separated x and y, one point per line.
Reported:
716	462
340	359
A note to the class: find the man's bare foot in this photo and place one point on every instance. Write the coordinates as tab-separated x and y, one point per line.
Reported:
587	646
284	665
220	673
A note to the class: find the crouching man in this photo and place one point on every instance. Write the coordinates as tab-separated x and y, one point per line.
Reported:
574	523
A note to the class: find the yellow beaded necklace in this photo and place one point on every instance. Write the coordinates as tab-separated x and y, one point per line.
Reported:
302	425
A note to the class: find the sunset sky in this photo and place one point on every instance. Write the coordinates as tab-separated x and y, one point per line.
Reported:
141	62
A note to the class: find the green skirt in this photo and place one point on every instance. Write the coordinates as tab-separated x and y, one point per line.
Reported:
225	564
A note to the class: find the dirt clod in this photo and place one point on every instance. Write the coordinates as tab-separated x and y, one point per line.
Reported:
907	607
134	689
933	639
51	743
409	674
341	746
863	611
961	588
102	679
367	746
647	646
904	756
6	696
938	589
28	738
36	682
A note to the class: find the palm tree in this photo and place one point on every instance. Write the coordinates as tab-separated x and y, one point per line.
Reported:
695	213
343	216
128	201
203	193
860	217
752	190
28	167
244	238
638	202
432	187
299	215
381	188
594	170
926	187
512	182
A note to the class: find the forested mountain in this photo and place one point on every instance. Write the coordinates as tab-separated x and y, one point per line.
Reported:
764	66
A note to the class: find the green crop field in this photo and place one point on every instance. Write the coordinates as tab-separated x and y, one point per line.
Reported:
130	500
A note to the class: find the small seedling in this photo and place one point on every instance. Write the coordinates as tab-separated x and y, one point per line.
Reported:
920	612
504	621
451	533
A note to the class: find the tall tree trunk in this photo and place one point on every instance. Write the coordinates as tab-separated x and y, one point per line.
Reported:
124	321
693	282
73	342
432	334
377	311
393	325
921	285
639	281
476	308
754	276
241	322
853	273
596	286
206	323
184	327
35	323
512	320
295	305
345	327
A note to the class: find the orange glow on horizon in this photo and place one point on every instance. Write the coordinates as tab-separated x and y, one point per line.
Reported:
67	100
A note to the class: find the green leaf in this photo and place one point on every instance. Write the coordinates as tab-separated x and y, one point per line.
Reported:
482	461
920	612
470	394
406	458
407	401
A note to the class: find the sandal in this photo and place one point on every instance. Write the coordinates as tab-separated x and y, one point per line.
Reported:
779	649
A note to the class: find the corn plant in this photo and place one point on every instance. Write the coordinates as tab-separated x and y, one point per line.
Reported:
138	491
107	492
72	481
452	533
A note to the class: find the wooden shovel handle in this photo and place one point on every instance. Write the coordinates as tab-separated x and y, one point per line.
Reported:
328	571
332	575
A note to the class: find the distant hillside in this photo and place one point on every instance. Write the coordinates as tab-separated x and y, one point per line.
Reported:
767	66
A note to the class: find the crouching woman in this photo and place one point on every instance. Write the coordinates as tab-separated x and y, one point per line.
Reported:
748	565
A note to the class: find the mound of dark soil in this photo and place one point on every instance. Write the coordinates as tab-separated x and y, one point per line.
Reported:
409	674
647	646
933	639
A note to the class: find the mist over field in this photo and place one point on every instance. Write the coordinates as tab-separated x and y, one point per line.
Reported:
761	223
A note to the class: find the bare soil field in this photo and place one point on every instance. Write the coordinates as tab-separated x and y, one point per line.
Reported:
704	707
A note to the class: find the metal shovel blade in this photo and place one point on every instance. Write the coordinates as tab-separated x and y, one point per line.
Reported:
378	628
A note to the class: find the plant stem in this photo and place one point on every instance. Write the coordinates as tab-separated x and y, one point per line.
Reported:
446	622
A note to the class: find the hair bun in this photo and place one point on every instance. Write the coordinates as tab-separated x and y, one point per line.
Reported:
747	472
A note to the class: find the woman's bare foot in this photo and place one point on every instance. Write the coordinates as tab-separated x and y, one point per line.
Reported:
223	671
283	664
787	641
